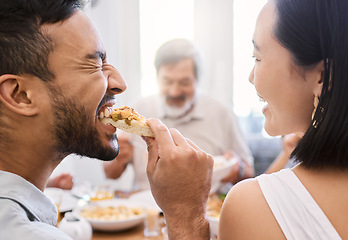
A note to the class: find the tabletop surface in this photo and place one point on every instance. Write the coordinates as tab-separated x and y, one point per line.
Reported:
131	234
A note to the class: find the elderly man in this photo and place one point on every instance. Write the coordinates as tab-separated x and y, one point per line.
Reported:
212	126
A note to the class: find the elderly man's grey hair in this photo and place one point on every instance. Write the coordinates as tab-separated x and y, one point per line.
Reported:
176	50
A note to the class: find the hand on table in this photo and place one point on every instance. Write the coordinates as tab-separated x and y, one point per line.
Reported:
63	181
289	143
114	169
241	170
180	176
126	148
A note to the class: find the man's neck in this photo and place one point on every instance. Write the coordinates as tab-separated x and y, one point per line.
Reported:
36	169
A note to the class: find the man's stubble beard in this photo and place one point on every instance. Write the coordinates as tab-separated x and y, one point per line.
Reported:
74	132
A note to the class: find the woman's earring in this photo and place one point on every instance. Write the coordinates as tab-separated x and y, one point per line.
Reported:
316	102
320	114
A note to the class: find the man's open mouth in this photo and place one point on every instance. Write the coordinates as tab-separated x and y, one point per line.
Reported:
105	112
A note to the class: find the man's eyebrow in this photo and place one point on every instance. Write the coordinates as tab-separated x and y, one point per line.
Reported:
96	55
255	45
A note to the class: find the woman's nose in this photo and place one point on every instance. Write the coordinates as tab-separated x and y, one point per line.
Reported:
251	76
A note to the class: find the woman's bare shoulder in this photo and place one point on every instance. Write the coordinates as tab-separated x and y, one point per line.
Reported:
245	214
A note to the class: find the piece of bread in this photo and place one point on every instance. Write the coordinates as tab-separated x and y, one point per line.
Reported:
128	120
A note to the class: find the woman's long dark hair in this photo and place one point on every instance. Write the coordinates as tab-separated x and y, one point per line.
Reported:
315	31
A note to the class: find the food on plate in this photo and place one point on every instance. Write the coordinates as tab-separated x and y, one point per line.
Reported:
101	195
214	205
127	119
111	213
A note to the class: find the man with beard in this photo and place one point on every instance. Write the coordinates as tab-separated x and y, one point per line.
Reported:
199	117
54	83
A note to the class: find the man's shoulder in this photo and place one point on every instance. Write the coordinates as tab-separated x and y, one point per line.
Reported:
16	223
210	100
143	101
214	105
147	106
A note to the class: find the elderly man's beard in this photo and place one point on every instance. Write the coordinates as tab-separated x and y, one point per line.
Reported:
177	112
75	132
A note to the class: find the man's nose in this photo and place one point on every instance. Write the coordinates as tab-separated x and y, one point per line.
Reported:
175	90
116	83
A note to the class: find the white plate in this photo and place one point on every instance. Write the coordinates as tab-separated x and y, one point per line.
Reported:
113	225
61	197
145	198
214	227
222	167
68	202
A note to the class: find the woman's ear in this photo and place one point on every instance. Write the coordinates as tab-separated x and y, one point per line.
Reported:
16	94
316	76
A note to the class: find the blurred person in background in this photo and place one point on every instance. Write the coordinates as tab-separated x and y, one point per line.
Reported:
212	126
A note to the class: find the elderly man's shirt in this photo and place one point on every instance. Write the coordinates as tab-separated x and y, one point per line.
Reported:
25	212
212	126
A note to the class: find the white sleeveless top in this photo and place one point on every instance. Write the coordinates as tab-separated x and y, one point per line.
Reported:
298	215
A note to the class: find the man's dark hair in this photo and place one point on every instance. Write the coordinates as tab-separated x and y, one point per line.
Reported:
24	47
315	31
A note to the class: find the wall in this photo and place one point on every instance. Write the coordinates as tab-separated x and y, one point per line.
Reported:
214	36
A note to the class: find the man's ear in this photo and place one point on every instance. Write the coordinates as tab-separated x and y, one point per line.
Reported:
16	94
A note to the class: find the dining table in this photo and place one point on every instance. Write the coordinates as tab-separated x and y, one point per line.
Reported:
134	233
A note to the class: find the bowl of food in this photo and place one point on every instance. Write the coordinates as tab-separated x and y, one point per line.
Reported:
214	227
222	168
214	205
112	215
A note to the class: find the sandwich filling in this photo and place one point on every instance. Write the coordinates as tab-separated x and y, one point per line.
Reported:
127	119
